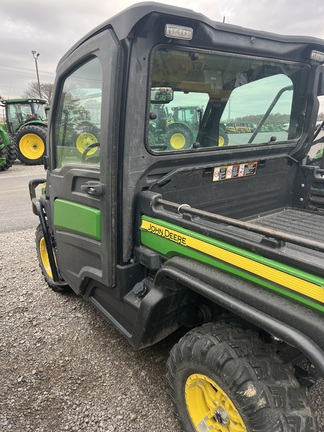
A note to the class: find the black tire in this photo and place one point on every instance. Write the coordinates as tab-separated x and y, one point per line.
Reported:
227	378
31	144
12	155
44	263
178	137
4	155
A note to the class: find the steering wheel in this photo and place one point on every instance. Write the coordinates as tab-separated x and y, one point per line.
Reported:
88	149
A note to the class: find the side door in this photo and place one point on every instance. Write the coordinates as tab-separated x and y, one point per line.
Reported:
80	183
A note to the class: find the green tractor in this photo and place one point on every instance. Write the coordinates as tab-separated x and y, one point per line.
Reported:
8	152
26	122
176	125
184	127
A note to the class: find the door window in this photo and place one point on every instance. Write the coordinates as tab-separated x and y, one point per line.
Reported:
78	124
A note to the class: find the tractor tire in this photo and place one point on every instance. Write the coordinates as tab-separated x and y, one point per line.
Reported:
178	137
10	154
4	155
223	378
223	139
44	263
31	144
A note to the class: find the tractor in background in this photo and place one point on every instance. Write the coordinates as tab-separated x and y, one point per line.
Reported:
178	126
26	123
184	127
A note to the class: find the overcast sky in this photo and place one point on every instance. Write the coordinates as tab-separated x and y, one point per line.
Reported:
51	27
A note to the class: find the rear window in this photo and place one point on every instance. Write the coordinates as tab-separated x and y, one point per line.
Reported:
210	100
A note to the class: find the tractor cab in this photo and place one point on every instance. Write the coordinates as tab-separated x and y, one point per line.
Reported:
26	122
22	111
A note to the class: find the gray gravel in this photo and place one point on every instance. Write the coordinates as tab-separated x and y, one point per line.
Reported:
63	368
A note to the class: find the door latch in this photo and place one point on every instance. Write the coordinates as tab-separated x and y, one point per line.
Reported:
93	187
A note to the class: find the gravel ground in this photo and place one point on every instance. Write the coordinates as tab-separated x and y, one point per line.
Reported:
63	368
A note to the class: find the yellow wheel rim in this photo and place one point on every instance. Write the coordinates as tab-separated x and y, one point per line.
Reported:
44	258
221	141
84	140
32	146
177	141
210	408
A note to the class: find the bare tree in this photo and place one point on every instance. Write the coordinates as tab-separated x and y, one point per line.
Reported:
46	91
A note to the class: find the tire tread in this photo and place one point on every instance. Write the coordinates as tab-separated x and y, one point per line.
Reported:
265	390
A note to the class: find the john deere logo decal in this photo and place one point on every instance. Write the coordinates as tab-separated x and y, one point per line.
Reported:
167	233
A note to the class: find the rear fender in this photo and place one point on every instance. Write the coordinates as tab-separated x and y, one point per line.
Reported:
32	123
290	322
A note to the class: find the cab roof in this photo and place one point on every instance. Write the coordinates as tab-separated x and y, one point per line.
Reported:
125	22
23	100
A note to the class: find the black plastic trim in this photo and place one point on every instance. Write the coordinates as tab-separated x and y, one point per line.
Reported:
40	211
286	320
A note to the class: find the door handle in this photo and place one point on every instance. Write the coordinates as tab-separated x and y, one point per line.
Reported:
93	187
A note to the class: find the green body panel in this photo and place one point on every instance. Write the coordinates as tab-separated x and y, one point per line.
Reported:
33	123
3	125
4	142
77	219
4	137
169	249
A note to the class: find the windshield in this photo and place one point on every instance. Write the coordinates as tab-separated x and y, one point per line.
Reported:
21	113
202	100
39	111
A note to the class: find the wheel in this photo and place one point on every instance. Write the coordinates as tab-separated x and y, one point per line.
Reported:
30	142
44	262
90	150
12	155
84	140
9	153
178	137
222	139
224	379
4	155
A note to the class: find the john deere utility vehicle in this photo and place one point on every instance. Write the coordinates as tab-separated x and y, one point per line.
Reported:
225	241
27	124
8	152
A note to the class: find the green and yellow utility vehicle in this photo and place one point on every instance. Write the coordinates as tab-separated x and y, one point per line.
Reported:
225	241
26	122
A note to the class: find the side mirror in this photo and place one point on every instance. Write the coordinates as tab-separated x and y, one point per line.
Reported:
161	95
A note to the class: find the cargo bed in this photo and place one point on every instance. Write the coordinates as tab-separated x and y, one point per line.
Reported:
294	221
288	235
304	227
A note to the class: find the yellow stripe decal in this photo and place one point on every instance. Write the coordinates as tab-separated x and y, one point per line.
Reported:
291	282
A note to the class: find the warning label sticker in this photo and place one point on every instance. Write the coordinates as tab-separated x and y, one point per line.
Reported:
227	172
